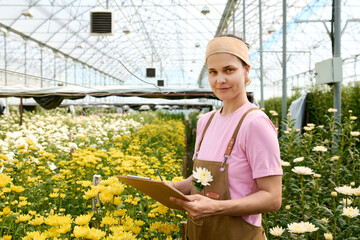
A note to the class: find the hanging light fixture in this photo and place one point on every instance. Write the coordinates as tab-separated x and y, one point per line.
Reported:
205	10
3	30
27	13
126	30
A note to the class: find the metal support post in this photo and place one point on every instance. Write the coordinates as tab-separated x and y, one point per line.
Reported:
337	53
41	66
261	56
74	73
55	81
5	61
244	27
284	86
25	48
66	71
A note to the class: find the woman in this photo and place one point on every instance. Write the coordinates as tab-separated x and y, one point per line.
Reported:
237	170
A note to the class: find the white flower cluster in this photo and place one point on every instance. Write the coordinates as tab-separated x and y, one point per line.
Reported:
348	190
320	149
274	113
276	231
303	170
350	212
302	227
203	176
55	130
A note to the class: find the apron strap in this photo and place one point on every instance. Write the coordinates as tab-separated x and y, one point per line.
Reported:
233	138
202	136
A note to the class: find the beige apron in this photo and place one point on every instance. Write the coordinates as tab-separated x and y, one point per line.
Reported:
220	227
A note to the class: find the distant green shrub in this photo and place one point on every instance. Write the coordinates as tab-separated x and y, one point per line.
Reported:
320	99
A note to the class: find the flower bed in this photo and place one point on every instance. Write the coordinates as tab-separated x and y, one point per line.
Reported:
321	193
47	189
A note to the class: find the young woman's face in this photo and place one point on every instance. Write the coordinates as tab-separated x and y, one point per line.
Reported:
227	76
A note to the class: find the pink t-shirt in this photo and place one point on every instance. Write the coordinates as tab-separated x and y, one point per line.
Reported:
255	154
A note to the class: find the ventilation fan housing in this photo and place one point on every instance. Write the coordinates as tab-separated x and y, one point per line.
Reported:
150	72
101	23
160	83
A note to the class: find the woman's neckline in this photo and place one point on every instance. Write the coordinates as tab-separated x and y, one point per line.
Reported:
234	112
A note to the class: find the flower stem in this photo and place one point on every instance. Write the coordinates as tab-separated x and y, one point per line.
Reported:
302	197
334	228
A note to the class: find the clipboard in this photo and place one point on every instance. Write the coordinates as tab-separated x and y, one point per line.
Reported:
157	190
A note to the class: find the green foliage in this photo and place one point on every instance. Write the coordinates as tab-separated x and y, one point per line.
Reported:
320	99
310	197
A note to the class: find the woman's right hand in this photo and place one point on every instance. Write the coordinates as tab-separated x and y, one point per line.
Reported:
171	184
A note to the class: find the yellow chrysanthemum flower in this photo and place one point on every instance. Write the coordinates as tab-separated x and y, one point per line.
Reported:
83	219
116	188
53	195
108	221
93	192
17	189
139	223
23	218
37	221
4	180
117	201
81	231
95	234
65	228
6	211
35	235
106	197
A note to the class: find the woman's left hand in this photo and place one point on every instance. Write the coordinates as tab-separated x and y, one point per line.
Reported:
198	207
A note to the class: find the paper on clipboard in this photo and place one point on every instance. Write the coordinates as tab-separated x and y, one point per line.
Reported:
157	190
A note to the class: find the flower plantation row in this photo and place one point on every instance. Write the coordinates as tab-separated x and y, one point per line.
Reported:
47	170
321	181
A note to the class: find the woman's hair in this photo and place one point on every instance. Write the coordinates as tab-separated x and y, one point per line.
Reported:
234	36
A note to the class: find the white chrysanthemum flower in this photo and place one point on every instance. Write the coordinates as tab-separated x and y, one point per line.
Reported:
274	113
299	159
355	133
302	170
310	227
306	128
276	231
73	145
285	164
347	201
332	110
203	176
353	118
350	212
334	158
356	191
302	227
328	236
346	190
296	228
52	166
320	149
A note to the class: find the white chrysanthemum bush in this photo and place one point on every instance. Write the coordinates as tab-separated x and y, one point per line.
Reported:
46	180
321	182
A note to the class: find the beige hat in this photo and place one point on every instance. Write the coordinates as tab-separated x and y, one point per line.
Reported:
230	45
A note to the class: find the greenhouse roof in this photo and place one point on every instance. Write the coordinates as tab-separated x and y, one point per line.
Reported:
171	37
